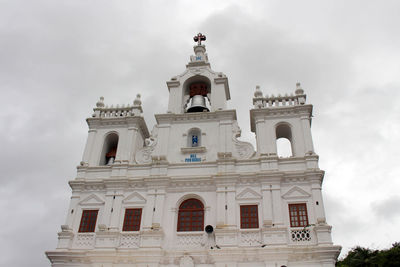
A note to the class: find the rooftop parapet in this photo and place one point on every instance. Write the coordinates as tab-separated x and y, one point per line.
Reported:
259	101
103	111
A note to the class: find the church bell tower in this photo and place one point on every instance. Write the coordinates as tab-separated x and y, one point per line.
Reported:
190	193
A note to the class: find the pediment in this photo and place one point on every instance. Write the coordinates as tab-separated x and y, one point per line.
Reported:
248	194
296	192
92	200
134	198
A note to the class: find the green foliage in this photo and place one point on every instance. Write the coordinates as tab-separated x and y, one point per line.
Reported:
365	257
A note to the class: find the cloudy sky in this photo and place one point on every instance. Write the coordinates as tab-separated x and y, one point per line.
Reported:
58	57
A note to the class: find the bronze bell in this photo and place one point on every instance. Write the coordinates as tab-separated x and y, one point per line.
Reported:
198	91
198	104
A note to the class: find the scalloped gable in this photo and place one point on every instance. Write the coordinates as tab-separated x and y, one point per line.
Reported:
134	198
92	200
296	192
248	194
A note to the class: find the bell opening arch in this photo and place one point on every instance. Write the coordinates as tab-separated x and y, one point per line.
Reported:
284	140
109	151
196	94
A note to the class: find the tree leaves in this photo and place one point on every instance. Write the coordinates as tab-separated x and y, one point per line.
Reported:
365	257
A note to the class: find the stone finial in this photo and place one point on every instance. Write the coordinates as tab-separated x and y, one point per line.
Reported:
137	102
299	90
100	103
258	92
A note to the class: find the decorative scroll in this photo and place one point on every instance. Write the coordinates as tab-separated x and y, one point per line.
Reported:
143	156
244	150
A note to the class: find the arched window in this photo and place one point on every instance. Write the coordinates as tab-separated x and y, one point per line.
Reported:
191	215
109	149
194	138
284	141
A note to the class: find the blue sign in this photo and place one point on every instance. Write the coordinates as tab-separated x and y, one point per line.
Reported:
198	58
193	158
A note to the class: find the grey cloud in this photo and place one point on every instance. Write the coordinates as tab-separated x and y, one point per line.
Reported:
387	209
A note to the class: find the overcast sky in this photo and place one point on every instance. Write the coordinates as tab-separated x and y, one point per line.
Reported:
58	57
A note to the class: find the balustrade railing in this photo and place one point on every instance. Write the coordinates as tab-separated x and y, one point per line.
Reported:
250	237
260	101
246	237
301	236
129	240
190	239
103	111
85	240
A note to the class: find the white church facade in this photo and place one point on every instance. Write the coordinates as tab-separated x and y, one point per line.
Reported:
189	193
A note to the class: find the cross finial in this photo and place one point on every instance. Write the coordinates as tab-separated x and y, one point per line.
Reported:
199	37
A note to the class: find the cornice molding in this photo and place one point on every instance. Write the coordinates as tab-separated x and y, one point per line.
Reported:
133	121
196	116
280	112
231	254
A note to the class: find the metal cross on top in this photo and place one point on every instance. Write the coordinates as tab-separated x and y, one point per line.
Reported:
199	37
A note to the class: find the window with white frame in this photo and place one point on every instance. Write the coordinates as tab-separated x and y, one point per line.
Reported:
298	215
132	220
191	216
248	216
88	221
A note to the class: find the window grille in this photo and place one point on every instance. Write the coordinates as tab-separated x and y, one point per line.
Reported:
298	215
191	216
132	220
88	221
248	216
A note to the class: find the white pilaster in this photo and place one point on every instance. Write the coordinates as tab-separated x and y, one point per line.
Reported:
267	205
260	136
277	204
108	207
117	213
131	144
317	201
148	214
159	207
220	206
231	206
306	127
121	147
270	138
72	211
89	145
